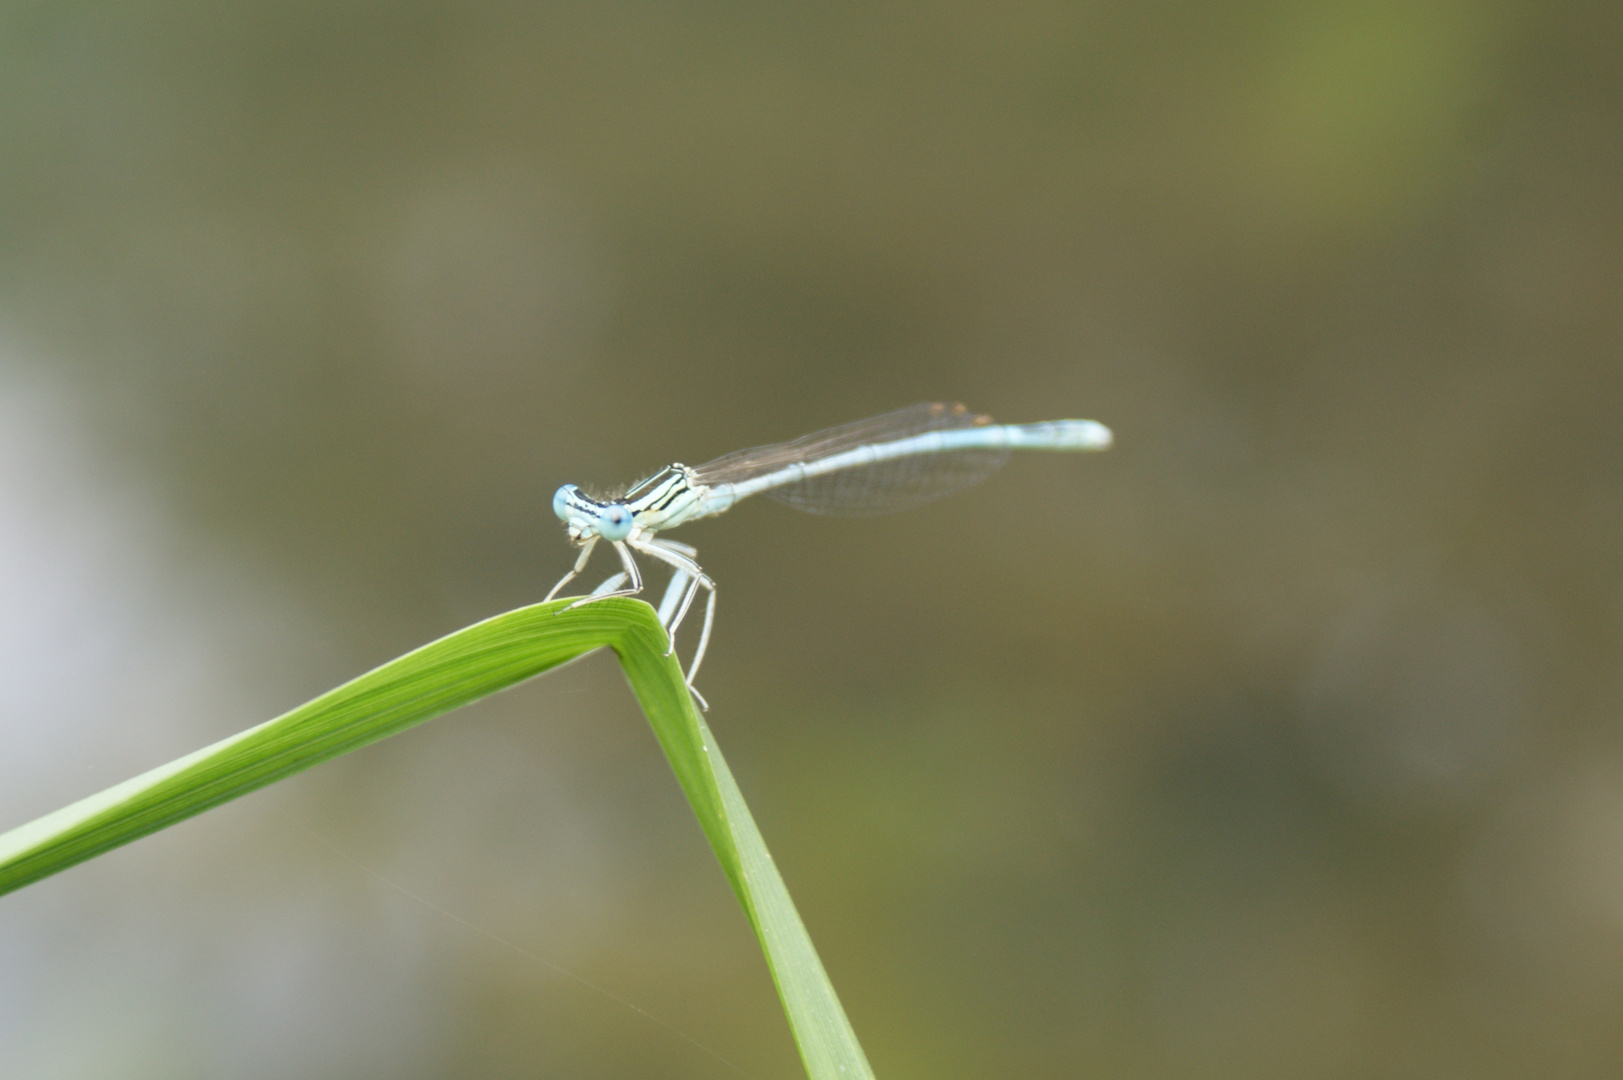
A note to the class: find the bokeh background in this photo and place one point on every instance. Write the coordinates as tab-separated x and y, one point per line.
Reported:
1281	741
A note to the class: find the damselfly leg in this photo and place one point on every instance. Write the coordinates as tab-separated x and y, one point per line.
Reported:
580	564
687	578
631	572
680	558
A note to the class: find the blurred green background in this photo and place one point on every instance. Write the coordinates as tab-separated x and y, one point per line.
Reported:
1280	741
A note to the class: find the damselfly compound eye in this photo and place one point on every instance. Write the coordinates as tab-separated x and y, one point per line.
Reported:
614	523
560	501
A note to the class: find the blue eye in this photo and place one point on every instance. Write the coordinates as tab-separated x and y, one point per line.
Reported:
614	523
560	501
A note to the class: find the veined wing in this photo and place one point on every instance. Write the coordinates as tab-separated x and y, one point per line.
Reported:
877	488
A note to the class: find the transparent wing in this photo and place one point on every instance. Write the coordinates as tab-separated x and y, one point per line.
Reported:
872	489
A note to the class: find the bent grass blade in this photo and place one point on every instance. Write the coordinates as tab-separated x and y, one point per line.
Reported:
463	667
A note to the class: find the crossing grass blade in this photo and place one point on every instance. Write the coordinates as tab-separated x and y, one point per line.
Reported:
463	667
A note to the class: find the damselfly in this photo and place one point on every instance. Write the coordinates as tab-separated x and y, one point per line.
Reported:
876	466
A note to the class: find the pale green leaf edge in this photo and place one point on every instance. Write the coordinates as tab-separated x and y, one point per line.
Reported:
460	668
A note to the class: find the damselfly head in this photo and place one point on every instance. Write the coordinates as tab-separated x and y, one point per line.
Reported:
586	517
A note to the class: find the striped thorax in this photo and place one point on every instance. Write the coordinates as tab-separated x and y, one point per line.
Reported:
663	501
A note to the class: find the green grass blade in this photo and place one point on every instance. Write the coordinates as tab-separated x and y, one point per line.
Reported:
828	1046
458	669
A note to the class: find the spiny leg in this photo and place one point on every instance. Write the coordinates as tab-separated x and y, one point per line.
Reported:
673	595
687	601
704	636
673	547
704	640
671	553
580	564
679	578
609	584
681	557
631	571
